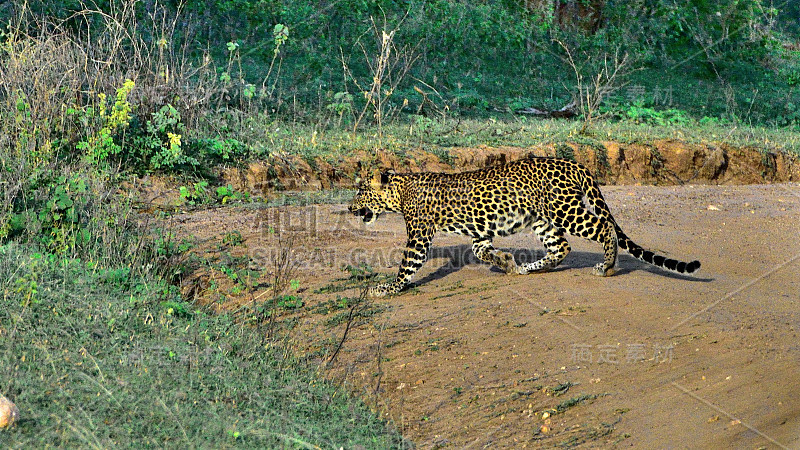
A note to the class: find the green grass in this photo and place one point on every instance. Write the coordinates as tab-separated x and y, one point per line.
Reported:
575	401
97	357
333	144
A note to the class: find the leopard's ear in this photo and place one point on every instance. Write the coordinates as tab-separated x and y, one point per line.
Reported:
359	182
375	182
386	176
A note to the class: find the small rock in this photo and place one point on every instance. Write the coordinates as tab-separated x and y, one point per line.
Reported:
9	413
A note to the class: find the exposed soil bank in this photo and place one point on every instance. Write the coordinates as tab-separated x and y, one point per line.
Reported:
665	162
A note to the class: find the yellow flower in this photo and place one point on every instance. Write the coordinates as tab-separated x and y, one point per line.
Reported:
174	139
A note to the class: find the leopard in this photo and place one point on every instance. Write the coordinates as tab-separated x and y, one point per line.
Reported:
552	196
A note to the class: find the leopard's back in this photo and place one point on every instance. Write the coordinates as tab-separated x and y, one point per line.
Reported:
495	201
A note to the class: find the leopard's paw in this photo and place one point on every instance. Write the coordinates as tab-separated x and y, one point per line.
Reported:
600	270
377	291
383	290
506	262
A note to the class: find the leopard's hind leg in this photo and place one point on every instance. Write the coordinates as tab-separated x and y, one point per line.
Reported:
555	243
573	216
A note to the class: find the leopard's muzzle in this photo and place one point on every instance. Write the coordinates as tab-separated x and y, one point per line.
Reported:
365	213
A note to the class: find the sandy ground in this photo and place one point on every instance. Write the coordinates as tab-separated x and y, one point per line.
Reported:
473	358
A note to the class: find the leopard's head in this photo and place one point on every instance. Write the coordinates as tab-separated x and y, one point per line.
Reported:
376	196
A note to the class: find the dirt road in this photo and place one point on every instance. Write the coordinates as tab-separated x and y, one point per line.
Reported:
471	357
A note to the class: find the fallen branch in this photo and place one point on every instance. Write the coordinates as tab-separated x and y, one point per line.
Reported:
567	112
361	305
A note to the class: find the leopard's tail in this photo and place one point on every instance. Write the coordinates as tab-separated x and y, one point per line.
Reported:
594	198
652	258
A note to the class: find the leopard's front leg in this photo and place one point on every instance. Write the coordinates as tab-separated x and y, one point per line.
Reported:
414	256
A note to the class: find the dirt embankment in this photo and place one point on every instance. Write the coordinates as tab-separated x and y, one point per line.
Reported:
664	162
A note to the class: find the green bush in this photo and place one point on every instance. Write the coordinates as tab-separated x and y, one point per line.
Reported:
218	151
647	115
66	214
104	124
156	144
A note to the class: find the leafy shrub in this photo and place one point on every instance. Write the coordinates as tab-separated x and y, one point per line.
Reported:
790	116
156	144
200	193
565	151
104	124
290	302
227	194
196	195
792	76
215	150
472	101
57	215
342	106
647	115
61	213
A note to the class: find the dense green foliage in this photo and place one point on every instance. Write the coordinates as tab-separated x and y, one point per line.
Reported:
737	60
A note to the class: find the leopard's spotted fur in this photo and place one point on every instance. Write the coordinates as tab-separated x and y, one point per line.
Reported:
551	195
